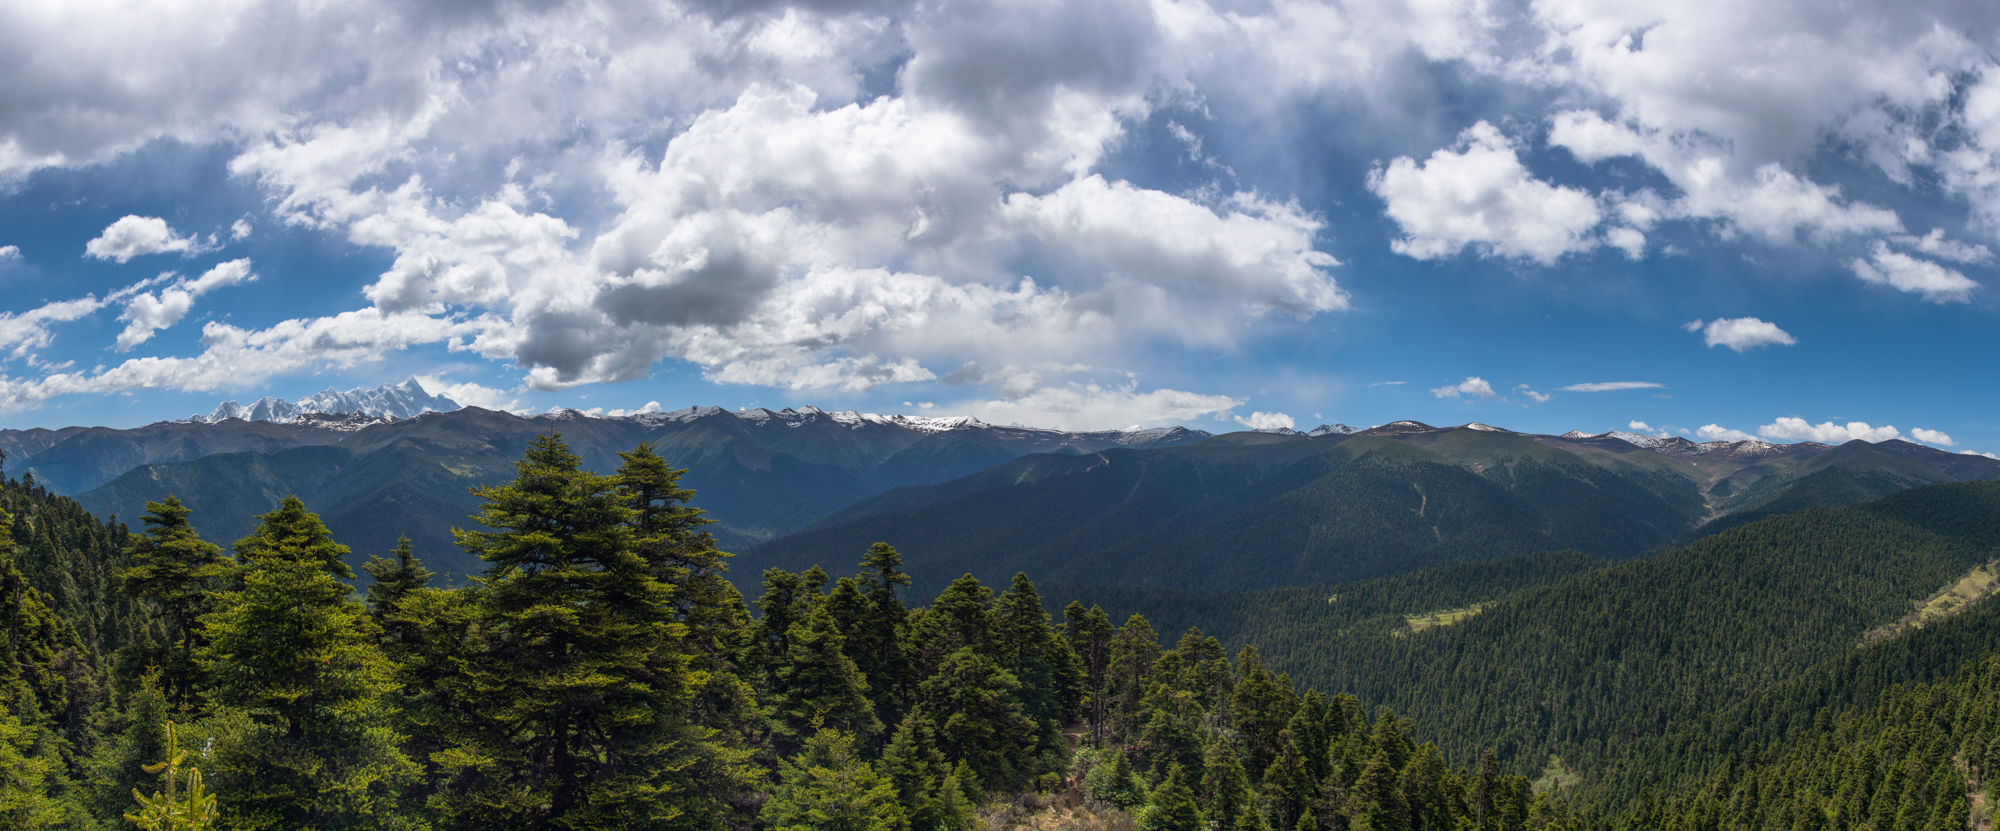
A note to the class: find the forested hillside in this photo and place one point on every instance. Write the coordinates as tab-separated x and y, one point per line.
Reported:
603	674
1250	511
760	473
1644	677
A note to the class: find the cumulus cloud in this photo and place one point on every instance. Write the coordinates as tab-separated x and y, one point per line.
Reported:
1640	426
1612	386
232	356
1716	432
1740	333
147	313
134	236
1532	395
1471	387
1096	407
1936	437
1902	272
24	332
1477	194
473	394
1261	420
1793	428
1936	245
10	252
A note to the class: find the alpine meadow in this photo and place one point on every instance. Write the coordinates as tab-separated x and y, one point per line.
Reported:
999	415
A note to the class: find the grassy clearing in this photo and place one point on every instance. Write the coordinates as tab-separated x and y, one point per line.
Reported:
1978	584
1442	617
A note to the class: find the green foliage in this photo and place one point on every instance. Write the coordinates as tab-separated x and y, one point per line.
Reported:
292	657
394	578
1111	780
168	809
828	787
1172	806
175	569
578	688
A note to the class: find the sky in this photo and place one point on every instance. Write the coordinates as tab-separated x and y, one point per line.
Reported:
1712	218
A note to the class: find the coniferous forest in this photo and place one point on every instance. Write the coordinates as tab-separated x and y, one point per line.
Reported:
604	672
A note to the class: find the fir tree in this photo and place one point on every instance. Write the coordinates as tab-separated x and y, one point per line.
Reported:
580	682
829	788
1173	806
175	570
293	657
980	720
818	686
932	797
395	576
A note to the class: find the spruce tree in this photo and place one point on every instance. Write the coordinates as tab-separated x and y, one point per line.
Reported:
296	671
818	686
1173	806
979	717
395	576
931	795
175	570
828	787
580	680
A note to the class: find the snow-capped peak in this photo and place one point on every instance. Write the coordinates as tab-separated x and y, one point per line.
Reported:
1331	430
392	401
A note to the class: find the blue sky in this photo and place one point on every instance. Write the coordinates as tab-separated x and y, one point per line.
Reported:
1711	218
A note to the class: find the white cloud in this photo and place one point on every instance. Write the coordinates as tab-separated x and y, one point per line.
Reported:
473	394
1640	426
1765	200
1903	272
1793	428
1254	251
239	229
1612	386
1471	387
1266	421
148	313
1715	432
1477	194
1741	333
10	252
1932	437
24	332
133	236
232	357
1532	395
1094	407
1936	245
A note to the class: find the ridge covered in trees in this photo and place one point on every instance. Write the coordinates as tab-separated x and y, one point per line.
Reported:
603	673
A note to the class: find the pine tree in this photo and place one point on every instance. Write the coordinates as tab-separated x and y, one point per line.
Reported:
959	618
1089	633
1173	806
877	640
931	796
175	570
829	788
29	773
395	576
580	680
818	686
1225	789
292	657
1112	780
117	768
980	720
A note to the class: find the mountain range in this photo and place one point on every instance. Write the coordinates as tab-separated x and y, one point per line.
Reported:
1135	507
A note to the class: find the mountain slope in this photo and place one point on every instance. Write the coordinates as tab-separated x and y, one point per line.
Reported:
759	473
